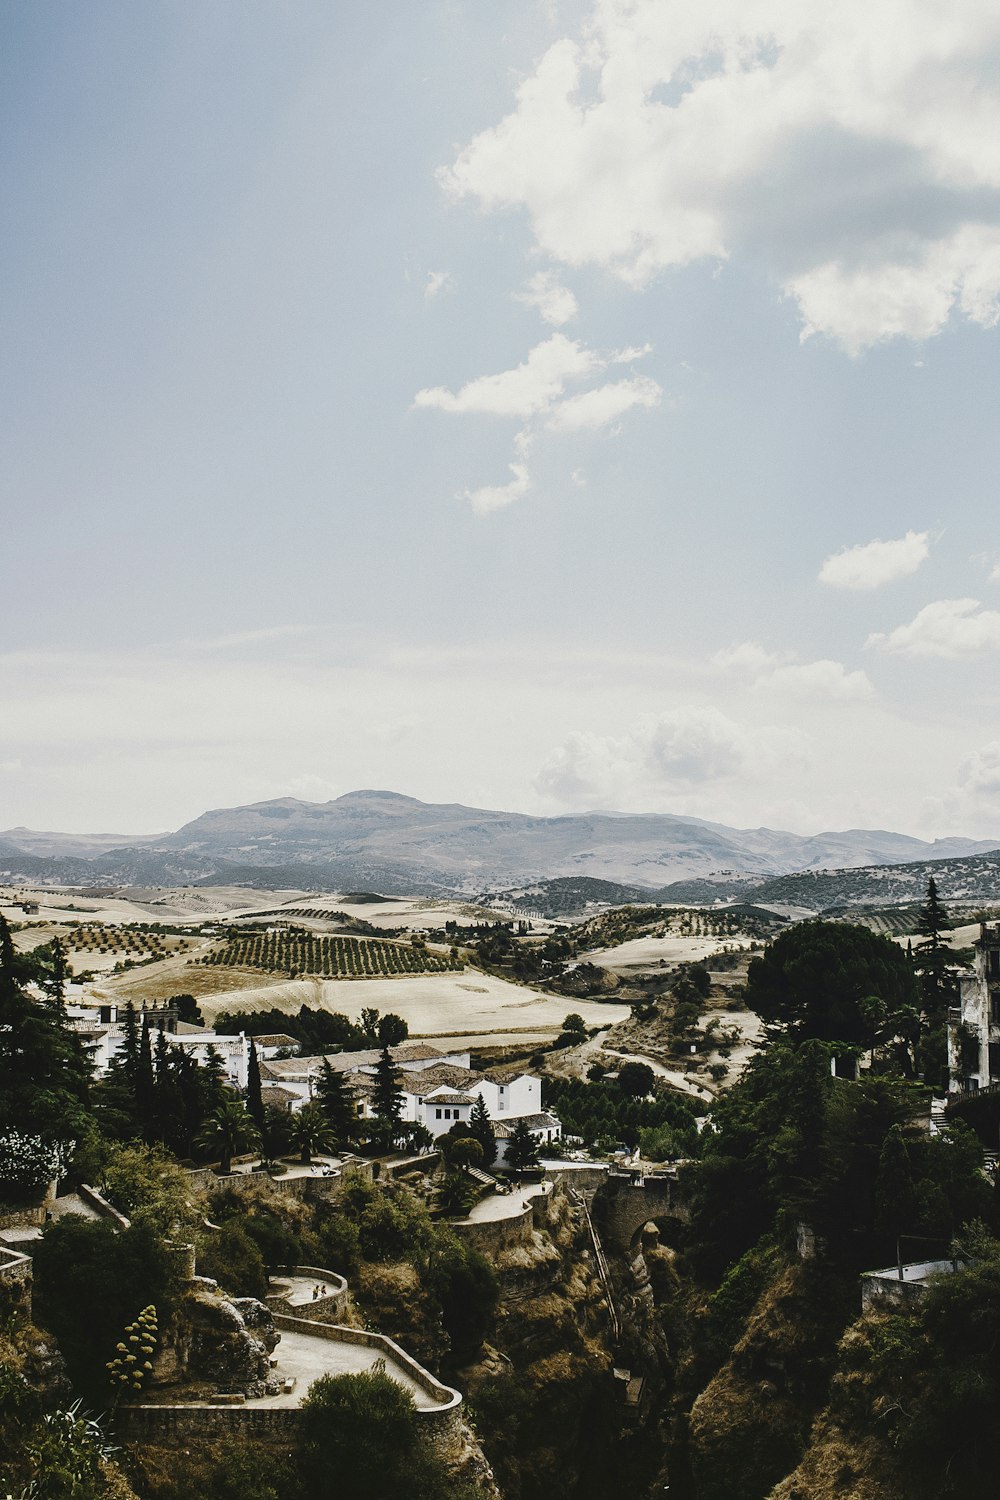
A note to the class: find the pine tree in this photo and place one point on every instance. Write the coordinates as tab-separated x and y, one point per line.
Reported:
129	1057
167	1106
56	972
144	1089
387	1096
335	1098
213	1074
522	1149
933	956
481	1130
255	1099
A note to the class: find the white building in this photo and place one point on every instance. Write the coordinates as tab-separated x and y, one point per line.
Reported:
974	1024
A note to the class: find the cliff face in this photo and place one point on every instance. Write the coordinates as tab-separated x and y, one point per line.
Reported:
552	1417
749	1426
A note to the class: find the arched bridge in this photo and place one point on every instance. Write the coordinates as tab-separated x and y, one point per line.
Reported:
627	1201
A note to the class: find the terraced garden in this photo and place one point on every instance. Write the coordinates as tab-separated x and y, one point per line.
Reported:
306	954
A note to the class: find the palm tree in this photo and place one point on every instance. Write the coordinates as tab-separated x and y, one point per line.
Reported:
312	1131
456	1195
227	1131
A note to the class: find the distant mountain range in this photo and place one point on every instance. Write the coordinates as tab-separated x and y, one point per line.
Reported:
384	841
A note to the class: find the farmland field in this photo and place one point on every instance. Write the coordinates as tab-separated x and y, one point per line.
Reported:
311	954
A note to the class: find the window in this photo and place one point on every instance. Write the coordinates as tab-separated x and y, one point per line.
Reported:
437	1114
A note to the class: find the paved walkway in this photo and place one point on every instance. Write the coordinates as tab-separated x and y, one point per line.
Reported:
306	1357
506	1205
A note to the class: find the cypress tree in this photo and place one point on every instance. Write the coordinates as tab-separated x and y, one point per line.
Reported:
130	1045
387	1096
481	1130
144	1090
255	1099
336	1099
522	1151
933	955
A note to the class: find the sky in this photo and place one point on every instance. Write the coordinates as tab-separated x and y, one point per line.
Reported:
549	405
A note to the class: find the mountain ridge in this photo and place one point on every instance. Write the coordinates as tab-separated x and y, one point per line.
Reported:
374	837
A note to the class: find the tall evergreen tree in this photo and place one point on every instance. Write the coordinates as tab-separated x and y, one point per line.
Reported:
213	1077
522	1149
55	972
44	1072
128	1058
336	1099
145	1085
481	1130
168	1114
933	956
387	1096
255	1099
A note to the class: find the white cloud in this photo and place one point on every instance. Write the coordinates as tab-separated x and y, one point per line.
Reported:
818	679
555	302
874	563
948	628
689	747
980	771
781	673
535	391
529	388
994	574
854	150
437	281
633	352
495	497
604	404
747	656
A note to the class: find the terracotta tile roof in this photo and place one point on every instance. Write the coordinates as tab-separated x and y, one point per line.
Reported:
504	1129
445	1076
451	1099
276	1039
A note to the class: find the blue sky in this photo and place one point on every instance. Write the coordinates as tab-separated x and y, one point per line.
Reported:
541	405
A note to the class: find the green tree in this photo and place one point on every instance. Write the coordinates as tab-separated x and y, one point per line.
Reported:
44	1072
481	1127
522	1149
636	1079
255	1100
816	980
455	1194
312	1132
361	1437
932	956
392	1030
336	1099
387	1095
228	1131
145	1101
895	1198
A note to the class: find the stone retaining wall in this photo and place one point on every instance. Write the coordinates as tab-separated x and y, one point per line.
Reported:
492	1235
102	1207
447	1398
328	1309
159	1424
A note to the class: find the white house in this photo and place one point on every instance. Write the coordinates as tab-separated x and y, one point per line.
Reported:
974	1024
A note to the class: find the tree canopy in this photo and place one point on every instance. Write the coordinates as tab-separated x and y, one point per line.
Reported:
818	980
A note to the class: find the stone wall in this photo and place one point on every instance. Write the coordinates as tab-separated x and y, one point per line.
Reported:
165	1424
492	1235
624	1204
447	1398
328	1309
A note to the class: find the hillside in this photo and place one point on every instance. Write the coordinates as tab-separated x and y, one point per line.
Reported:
389	842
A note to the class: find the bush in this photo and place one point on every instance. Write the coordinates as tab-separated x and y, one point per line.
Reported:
232	1258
